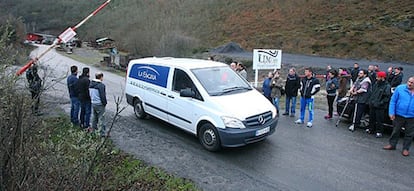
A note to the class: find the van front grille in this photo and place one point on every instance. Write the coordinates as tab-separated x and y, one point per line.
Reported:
258	120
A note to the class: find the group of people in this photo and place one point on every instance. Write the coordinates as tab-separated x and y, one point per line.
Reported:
371	89
274	87
239	68
378	91
88	97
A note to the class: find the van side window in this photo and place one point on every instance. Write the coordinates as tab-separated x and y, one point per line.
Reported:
182	81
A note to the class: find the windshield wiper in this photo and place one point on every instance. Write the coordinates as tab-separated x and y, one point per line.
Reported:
228	90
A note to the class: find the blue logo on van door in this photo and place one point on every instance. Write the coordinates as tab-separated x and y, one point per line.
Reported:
153	74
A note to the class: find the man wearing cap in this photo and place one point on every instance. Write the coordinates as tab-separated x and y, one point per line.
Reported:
401	112
398	76
378	102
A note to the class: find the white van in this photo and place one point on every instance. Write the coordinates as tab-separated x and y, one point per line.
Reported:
205	98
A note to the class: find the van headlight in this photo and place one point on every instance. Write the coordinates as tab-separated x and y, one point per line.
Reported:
274	114
232	122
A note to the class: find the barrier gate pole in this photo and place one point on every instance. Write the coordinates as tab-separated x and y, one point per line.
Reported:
64	36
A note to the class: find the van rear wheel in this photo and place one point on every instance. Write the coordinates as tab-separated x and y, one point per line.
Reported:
209	137
139	109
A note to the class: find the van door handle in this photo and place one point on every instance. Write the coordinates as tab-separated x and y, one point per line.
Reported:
170	96
162	93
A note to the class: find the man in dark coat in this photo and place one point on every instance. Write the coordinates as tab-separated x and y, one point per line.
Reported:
378	103
291	89
354	72
398	76
84	98
372	75
35	86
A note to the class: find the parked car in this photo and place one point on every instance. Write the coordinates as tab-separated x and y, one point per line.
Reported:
348	103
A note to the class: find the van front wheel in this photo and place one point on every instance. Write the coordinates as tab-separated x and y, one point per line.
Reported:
209	137
139	110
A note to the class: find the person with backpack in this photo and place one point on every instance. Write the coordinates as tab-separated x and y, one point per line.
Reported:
378	103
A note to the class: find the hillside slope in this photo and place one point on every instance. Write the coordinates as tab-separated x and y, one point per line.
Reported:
371	29
357	29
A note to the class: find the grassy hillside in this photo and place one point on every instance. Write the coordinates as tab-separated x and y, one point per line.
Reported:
371	29
350	28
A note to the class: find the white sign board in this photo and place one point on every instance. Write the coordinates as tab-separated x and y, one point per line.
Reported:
67	35
265	59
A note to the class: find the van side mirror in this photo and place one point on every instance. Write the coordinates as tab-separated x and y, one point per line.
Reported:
187	92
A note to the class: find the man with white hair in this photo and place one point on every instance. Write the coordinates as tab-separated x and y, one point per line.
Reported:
98	99
401	112
233	66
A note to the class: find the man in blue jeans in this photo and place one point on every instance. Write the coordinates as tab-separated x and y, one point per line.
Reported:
309	87
291	88
72	82
85	98
98	100
401	112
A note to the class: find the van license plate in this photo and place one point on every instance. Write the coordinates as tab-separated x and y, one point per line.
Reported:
262	131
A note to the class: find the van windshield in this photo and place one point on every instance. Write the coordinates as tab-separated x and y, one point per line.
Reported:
221	80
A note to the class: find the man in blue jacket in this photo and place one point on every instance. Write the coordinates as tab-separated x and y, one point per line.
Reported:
98	99
401	112
267	87
72	82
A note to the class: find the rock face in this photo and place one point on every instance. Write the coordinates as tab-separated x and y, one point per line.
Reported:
231	47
